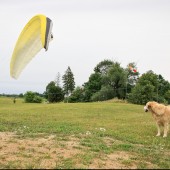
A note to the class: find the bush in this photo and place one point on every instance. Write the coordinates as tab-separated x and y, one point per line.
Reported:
31	97
54	93
76	96
105	93
37	99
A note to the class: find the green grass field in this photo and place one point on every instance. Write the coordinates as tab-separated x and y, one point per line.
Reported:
103	135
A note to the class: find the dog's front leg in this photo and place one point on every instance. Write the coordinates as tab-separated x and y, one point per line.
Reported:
159	130
166	128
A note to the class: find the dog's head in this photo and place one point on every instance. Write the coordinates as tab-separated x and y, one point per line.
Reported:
149	106
154	107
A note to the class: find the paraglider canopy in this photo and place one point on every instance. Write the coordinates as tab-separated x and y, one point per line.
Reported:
35	36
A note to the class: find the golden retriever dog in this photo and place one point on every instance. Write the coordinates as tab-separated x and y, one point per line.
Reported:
161	114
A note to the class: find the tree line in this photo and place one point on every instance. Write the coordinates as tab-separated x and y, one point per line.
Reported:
108	80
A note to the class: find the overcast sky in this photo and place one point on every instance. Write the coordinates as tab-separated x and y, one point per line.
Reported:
85	33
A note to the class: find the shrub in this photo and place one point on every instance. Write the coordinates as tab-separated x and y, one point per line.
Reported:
31	97
37	99
105	93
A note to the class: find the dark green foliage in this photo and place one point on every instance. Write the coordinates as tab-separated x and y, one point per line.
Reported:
76	96
116	78
37	99
21	95
109	75
142	94
167	96
163	90
103	67
29	97
110	80
150	87
54	93
145	89
92	86
68	82
105	93
32	97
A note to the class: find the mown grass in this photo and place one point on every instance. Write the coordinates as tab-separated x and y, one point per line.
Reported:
131	129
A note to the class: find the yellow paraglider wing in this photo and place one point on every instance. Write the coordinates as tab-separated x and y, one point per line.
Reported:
35	36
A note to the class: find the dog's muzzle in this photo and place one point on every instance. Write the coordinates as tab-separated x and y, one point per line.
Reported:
145	109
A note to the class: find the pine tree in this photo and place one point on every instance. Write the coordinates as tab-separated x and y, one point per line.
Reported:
68	82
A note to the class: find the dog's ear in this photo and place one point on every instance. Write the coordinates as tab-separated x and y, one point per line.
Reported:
149	105
158	108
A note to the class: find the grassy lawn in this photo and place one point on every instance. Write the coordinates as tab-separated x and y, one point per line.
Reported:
99	132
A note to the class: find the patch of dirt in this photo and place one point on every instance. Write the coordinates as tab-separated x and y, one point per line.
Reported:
110	141
114	161
49	152
36	153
